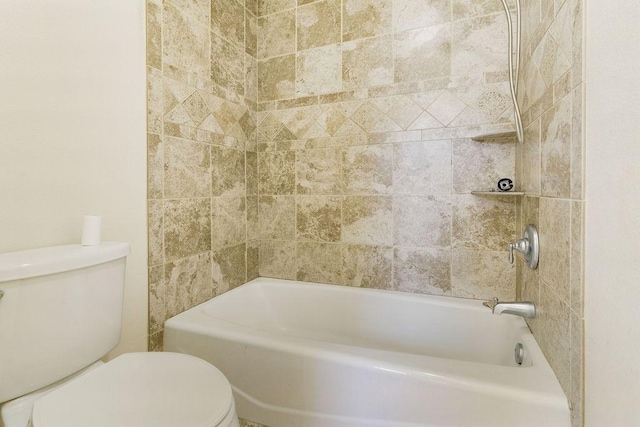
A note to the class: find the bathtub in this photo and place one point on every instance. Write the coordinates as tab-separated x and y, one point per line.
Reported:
313	355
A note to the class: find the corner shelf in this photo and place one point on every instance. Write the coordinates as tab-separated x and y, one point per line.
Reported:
498	193
496	137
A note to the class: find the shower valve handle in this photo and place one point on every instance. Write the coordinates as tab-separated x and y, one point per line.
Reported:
521	246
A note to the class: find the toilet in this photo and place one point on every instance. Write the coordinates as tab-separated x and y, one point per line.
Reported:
61	311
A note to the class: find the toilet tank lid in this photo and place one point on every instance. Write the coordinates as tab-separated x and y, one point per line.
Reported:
56	259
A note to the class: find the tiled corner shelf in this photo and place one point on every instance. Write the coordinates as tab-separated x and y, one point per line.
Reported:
498	193
495	137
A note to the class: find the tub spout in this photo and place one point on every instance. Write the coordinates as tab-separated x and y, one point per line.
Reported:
519	308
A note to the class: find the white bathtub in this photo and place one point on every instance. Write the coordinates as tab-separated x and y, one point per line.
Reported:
300	354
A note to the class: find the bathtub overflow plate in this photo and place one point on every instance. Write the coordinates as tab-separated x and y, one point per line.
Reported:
519	353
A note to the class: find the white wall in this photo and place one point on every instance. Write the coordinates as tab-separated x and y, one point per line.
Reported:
72	132
612	276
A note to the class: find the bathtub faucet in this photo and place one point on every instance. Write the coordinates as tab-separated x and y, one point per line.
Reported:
519	308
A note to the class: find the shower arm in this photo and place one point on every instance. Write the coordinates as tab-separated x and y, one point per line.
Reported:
513	80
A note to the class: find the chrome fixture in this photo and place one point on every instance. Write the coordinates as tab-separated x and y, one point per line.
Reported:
528	246
519	353
514	71
519	308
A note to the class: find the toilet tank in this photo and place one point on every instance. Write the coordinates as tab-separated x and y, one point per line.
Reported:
60	311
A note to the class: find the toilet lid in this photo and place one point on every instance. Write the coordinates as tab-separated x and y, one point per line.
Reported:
140	389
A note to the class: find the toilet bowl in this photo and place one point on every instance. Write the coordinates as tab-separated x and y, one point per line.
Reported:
62	308
140	390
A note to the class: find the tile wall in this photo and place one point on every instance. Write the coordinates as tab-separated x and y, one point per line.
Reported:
550	169
365	113
202	160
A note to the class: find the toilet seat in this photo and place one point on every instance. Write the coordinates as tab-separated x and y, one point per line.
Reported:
141	389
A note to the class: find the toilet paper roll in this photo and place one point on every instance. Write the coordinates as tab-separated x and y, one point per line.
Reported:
91	228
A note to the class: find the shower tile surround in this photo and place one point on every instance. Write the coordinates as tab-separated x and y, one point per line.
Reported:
330	141
365	162
202	159
549	169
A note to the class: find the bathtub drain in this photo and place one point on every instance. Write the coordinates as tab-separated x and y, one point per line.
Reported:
519	353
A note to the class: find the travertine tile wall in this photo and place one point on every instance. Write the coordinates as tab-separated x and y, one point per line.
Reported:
202	160
550	168
365	113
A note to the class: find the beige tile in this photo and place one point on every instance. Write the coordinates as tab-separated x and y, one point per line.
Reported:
278	259
367	169
297	122
367	266
422	270
410	14
446	107
485	223
227	70
367	220
479	44
530	181
422	167
277	172
251	78
198	9
406	114
555	249
319	262
577	144
156	341
470	8
154	101
276	78
277	34
227	20
480	165
318	24
319	71
318	171
155	167
187	168
187	227
154	35
252	172
228	172
185	42
422	220
373	120
332	120
576	397
530	289
422	54
189	282
267	7
556	150
253	259
554	334
367	62
229	224
156	232
482	275
318	218
159	299
277	217
229	268
365	18
251	31
576	262
253	225
252	6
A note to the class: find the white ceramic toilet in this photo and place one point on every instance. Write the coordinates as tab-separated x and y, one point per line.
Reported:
60	312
